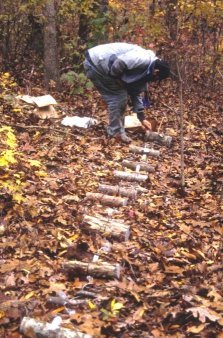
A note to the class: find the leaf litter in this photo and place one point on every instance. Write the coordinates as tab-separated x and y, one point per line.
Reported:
171	284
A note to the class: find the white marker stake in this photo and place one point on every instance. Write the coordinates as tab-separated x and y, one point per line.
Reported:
138	168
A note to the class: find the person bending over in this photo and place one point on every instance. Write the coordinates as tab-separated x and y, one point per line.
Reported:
120	71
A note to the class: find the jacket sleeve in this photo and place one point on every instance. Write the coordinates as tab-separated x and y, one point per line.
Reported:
118	68
137	106
138	59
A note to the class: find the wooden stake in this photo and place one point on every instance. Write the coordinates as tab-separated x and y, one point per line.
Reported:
114	201
116	190
141	150
109	228
142	166
130	176
97	269
159	138
33	328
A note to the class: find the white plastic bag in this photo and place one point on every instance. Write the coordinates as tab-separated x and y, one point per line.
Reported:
77	121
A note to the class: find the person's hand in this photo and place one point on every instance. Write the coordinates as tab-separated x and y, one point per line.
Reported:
146	125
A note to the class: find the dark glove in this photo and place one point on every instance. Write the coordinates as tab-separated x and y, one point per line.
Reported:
141	115
146	102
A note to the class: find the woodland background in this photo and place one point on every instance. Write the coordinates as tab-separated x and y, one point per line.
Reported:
173	262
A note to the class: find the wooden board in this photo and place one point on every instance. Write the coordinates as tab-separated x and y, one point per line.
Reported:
43	101
131	121
39	101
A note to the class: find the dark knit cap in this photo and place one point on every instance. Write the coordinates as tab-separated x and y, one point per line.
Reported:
163	67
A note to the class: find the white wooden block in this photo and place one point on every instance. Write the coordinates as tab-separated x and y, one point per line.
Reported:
131	121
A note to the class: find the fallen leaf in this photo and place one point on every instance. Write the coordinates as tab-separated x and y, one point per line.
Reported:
203	313
172	269
2	314
59	309
196	329
29	295
91	305
116	306
10	280
138	313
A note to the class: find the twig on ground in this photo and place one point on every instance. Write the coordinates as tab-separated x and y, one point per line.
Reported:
158	130
220	73
37	127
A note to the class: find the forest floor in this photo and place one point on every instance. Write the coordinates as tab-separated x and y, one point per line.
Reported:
171	267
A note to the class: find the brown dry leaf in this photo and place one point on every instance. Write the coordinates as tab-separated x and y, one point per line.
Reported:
172	269
214	295
28	296
7	244
158	334
59	309
187	254
160	294
88	322
10	280
61	220
2	314
138	314
13	308
55	287
171	132
77	284
203	313
199	254
196	329
7	267
153	267
209	303
220	322
136	296
95	148
186	229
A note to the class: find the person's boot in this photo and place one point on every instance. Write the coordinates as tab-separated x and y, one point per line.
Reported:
123	138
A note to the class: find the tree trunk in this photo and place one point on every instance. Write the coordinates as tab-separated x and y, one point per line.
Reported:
51	71
171	18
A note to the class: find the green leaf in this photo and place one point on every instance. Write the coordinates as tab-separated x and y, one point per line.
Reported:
116	306
35	163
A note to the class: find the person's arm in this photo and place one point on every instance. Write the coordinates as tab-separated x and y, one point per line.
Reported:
118	67
138	108
131	60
